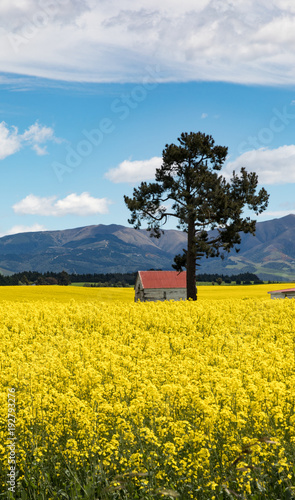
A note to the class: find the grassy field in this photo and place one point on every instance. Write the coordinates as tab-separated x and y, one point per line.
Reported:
103	398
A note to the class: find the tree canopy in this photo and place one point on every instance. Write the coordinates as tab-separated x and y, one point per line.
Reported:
208	206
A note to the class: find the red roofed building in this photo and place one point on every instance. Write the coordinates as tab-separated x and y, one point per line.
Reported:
160	285
288	293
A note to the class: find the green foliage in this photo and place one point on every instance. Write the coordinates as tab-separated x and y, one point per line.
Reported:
201	199
111	279
64	279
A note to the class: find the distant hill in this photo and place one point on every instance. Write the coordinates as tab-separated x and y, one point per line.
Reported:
115	248
271	253
90	249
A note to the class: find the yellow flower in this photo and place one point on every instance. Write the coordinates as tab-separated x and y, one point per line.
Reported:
182	389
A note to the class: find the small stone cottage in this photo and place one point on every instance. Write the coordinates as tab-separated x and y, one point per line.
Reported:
160	285
288	293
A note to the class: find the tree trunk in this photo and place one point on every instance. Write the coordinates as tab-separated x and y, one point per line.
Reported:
191	290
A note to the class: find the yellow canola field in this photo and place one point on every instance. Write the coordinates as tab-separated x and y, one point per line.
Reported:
191	400
82	294
61	294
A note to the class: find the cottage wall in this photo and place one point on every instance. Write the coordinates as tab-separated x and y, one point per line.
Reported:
283	295
152	294
276	296
138	290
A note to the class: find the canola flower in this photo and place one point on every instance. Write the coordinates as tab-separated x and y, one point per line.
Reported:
111	294
149	400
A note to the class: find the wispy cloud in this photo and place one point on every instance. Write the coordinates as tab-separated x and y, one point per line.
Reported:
73	204
273	166
10	141
134	171
275	214
36	136
249	41
19	228
285	208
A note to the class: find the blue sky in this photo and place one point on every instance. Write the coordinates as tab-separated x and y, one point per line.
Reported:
90	93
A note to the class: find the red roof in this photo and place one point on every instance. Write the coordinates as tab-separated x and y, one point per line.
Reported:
283	291
163	279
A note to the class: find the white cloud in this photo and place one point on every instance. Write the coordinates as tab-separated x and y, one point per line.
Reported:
73	204
285	208
275	213
204	115
10	142
23	229
35	205
36	136
82	204
273	166
134	171
247	41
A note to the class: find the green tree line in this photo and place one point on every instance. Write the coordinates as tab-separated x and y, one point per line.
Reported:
110	279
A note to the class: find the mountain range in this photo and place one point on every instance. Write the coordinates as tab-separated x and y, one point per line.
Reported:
114	248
